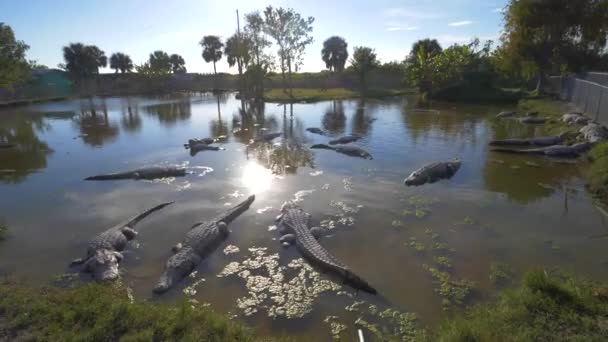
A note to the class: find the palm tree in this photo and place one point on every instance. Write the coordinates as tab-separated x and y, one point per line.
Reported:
212	50
238	51
335	53
83	61
160	62
178	64
121	62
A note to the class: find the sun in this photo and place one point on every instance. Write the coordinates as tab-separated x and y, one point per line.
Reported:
256	178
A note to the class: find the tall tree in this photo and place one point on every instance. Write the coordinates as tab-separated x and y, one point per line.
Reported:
212	50
549	33
13	65
159	63
335	53
292	34
178	64
238	51
430	47
363	61
254	29
121	62
83	61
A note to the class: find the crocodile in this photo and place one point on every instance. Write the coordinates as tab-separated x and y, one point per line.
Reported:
6	145
502	115
532	119
564	151
144	173
575	118
433	172
348	150
294	222
104	250
538	141
202	239
594	133
316	130
344	140
268	137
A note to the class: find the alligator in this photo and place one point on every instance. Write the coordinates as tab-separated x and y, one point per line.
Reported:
294	225
594	133
316	130
532	119
202	239
502	115
344	140
433	172
268	137
206	141
348	150
575	118
145	173
6	145
104	250
538	141
564	151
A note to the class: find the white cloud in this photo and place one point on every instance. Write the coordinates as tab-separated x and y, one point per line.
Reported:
461	23
411	13
498	10
401	28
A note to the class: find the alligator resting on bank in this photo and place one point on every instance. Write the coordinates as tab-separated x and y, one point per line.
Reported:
502	115
538	141
348	150
294	225
344	140
103	251
202	239
433	172
563	151
153	172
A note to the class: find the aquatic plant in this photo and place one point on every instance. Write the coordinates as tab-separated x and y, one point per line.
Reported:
416	245
443	261
500	273
453	291
336	328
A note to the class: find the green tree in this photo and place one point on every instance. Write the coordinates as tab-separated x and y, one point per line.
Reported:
254	29
292	34
121	62
83	61
178	64
212	50
238	51
159	63
363	61
335	53
430	46
13	65
552	35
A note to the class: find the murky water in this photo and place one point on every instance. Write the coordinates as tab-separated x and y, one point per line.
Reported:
516	211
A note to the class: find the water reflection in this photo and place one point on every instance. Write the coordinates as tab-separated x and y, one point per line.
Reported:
30	154
131	120
334	120
94	124
256	178
361	122
170	113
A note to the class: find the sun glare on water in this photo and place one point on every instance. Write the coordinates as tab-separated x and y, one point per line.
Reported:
256	177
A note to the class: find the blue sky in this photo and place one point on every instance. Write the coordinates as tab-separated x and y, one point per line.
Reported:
138	27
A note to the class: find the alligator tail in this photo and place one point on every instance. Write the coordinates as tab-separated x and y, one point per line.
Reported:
323	146
132	222
357	282
112	176
514	150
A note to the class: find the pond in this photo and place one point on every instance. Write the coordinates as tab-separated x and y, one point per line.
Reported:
428	250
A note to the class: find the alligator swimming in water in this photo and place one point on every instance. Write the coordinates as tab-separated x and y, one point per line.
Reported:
538	141
344	140
433	172
294	224
594	133
564	151
153	172
316	130
348	150
200	241
268	137
502	115
103	251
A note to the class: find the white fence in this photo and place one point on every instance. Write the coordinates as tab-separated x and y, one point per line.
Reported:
588	96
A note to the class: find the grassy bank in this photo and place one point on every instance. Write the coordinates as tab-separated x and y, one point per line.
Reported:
318	94
597	175
542	308
96	312
550	109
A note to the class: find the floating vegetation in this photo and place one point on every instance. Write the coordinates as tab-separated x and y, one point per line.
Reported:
392	325
453	291
397	223
421	201
300	195
335	327
500	273
416	245
327	224
325	187
468	220
263	210
443	262
272	228
420	213
230	249
191	290
269	288
316	173
348	183
355	306
441	247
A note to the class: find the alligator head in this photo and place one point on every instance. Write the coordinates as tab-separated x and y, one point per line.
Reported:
104	264
424	175
178	267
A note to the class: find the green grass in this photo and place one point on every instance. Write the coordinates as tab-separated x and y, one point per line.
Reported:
543	308
318	94
549	108
597	174
95	312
